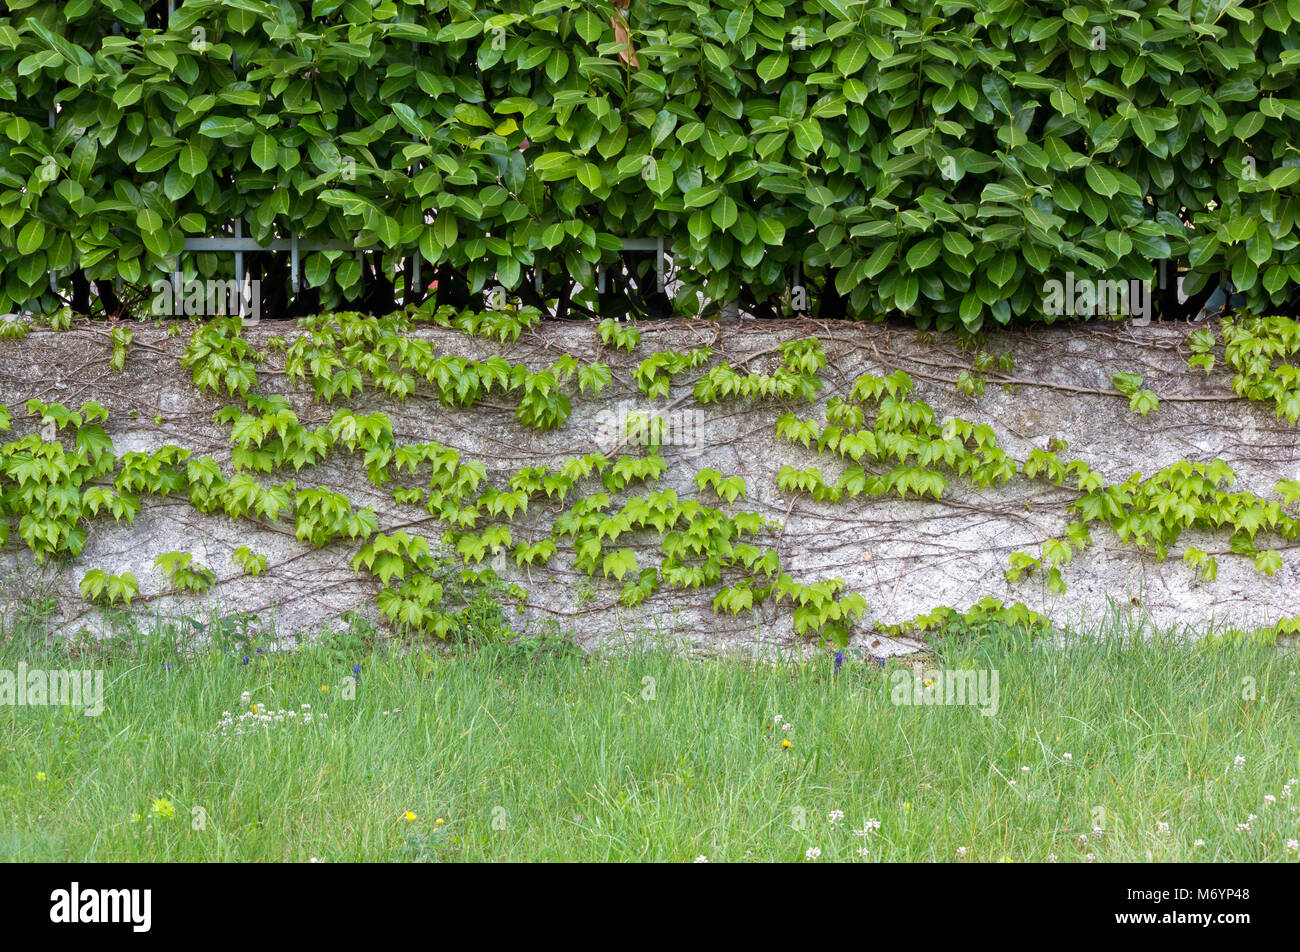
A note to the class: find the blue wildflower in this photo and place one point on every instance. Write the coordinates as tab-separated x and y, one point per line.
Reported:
839	660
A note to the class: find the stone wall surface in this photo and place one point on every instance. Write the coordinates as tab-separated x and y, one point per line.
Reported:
903	556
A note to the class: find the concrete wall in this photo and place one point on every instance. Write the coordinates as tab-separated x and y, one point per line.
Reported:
905	557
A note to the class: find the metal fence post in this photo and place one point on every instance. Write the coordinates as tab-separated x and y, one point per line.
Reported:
239	267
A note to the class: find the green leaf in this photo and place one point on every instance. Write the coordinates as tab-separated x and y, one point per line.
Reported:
772	67
265	152
192	161
724	212
771	231
1268	562
32	237
1102	180
589	25
852	57
148	221
923	253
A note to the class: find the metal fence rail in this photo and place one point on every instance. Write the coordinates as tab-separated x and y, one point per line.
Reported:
239	244
295	246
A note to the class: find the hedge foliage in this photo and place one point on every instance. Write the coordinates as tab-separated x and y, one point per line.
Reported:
941	158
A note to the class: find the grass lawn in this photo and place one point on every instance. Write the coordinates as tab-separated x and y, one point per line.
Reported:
1129	747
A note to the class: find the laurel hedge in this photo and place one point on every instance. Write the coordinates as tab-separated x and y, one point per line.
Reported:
939	159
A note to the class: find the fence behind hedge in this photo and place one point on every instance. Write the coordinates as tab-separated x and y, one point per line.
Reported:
941	159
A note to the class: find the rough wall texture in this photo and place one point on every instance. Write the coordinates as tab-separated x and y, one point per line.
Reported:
905	557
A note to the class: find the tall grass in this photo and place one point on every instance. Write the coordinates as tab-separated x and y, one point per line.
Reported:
1130	746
